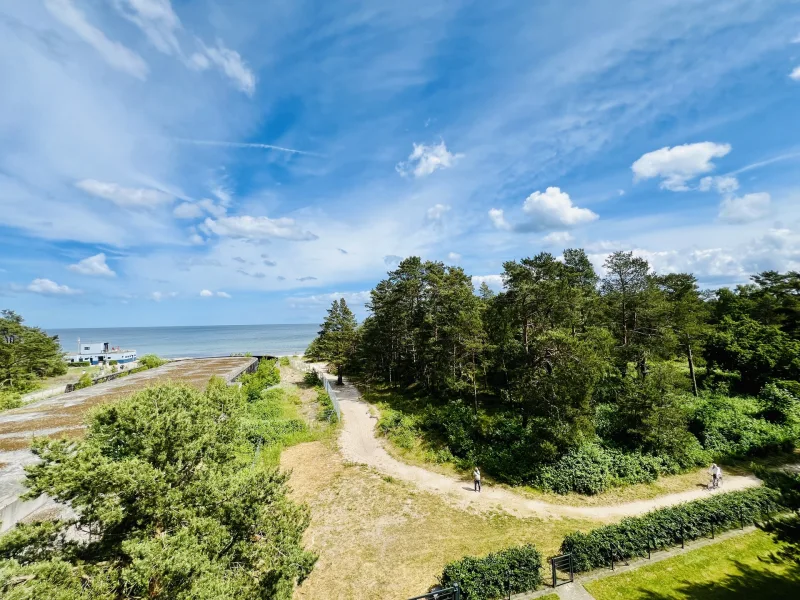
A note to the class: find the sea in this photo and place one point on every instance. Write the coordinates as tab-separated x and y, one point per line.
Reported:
196	341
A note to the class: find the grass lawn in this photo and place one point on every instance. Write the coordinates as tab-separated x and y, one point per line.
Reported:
736	568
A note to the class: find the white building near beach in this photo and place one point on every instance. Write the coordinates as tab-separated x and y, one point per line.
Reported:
101	352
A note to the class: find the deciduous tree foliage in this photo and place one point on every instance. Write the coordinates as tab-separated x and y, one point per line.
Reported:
169	506
26	353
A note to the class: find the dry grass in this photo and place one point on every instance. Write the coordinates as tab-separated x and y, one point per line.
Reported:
377	537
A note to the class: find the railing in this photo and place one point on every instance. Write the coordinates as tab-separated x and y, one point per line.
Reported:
451	593
563	564
330	391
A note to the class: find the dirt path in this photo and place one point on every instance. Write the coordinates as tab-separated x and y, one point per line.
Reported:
359	444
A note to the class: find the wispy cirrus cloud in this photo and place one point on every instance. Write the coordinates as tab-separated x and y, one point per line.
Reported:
244	145
161	25
124	196
114	53
258	228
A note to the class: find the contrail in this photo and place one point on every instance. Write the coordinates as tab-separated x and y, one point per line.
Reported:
243	145
764	163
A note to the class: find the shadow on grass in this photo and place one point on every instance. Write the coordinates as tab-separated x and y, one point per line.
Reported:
747	582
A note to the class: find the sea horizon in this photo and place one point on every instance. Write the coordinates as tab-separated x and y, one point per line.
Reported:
191	341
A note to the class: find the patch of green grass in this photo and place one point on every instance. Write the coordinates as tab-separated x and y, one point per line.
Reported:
277	420
738	568
549	597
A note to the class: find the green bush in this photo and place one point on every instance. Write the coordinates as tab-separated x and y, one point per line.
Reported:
84	382
326	410
488	578
284	361
151	361
9	400
736	427
662	528
267	375
591	469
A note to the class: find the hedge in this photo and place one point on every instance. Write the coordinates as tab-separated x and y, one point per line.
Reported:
662	528
488	578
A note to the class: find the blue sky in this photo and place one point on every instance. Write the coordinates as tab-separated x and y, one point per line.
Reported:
208	162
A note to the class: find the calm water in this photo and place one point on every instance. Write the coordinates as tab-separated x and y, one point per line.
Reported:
174	342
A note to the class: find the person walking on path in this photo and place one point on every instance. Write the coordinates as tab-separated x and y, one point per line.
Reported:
715	472
476	478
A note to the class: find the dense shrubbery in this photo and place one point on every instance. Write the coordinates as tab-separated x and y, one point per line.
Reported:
664	527
746	426
723	427
326	410
266	424
267	375
84	382
488	578
9	400
151	361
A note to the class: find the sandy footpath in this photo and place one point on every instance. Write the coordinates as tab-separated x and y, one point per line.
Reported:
359	443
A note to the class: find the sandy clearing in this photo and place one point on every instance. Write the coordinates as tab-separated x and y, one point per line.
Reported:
359	443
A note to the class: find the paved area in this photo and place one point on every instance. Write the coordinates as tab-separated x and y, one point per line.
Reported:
63	416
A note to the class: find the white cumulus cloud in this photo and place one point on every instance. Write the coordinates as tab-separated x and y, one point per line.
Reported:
123	196
94	265
795	74
558	237
554	208
159	296
115	54
725	184
498	218
494	282
48	287
678	165
210	294
745	209
425	159
258	228
454	256
437	212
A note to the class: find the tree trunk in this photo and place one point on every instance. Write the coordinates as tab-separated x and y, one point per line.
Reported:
339	374
691	365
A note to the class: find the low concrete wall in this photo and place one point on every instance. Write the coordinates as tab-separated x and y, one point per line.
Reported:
17	509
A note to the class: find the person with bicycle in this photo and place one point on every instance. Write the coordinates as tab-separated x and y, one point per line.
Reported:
716	475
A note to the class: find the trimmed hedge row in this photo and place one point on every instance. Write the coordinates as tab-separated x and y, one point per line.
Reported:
663	528
488	578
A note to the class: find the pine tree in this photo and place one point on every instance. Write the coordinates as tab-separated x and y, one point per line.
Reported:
337	339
